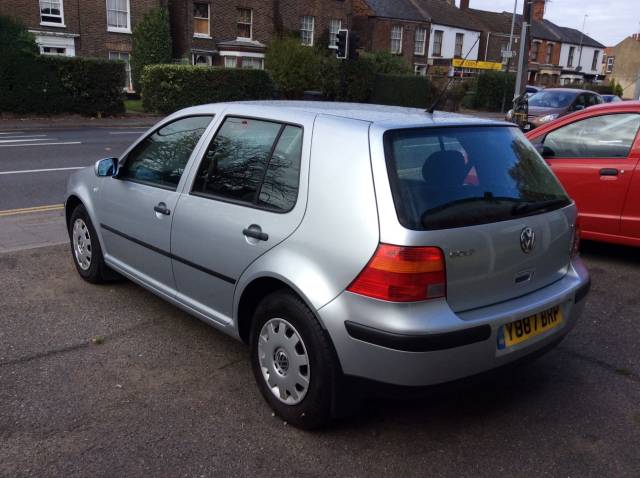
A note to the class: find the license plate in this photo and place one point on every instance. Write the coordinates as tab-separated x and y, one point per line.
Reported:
521	330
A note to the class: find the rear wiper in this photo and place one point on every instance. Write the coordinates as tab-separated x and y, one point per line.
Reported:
531	206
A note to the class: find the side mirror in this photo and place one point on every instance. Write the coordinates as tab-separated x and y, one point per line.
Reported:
578	107
106	167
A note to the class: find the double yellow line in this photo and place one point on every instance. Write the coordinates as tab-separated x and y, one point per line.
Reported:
28	210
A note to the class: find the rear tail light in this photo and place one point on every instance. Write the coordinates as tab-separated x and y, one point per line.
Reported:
403	274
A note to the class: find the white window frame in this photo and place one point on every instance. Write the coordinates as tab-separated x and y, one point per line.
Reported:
304	30
422	39
238	22
42	52
549	54
231	62
610	62
594	62
571	56
203	35
435	36
208	56
455	45
53	24
260	61
394	38
111	28
418	67
333	33
116	55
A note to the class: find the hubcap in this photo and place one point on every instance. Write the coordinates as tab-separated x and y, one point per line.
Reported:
284	361
82	244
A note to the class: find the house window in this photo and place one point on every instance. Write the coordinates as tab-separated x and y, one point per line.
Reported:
572	51
230	61
610	61
420	69
119	55
334	26
51	12
53	50
437	42
535	49
201	20
252	63
201	59
459	41
245	23
594	63
307	25
549	54
118	16
396	40
421	40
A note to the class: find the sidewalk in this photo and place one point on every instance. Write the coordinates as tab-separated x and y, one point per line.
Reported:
27	230
14	122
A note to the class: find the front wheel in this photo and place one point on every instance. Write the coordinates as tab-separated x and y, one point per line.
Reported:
86	250
292	360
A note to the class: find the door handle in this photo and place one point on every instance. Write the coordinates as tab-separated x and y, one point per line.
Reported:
162	209
608	172
256	233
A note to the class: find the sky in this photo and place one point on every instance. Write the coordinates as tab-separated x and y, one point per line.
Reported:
609	21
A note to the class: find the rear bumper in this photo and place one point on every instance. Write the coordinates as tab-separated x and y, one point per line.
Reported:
427	343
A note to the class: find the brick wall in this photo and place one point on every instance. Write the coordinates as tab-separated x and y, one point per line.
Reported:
542	52
376	36
86	18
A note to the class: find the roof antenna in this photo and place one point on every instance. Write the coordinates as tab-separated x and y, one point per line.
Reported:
432	108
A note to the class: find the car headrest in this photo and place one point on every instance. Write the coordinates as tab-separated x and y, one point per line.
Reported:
444	169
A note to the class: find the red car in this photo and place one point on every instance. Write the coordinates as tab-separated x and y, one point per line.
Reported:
596	155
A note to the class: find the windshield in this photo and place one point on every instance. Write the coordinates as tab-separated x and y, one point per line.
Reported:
462	176
552	99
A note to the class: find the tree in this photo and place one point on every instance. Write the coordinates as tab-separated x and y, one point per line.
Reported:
151	43
617	88
15	39
294	67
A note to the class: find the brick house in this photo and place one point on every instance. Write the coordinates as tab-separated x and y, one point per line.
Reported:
96	28
396	26
236	34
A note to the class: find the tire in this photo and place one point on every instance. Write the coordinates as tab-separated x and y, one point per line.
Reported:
85	249
285	334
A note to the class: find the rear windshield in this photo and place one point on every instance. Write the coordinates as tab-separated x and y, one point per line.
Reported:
462	176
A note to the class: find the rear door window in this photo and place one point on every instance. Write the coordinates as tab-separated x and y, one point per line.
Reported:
605	136
255	162
462	176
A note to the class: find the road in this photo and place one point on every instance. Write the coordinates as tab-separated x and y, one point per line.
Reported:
35	163
165	395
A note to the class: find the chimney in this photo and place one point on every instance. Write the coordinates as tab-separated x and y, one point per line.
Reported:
537	10
464	4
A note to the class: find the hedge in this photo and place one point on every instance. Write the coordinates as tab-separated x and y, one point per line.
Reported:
490	90
49	85
167	88
403	90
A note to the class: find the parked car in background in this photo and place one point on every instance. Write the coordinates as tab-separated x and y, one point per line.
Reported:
552	103
611	98
342	242
596	155
531	90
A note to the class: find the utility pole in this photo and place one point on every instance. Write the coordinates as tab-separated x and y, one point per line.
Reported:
510	49
525	38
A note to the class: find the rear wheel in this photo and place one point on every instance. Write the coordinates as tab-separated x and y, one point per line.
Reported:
86	250
292	360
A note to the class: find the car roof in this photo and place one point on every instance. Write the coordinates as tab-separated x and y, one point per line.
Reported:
388	116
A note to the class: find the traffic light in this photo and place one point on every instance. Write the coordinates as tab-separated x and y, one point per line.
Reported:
342	43
354	44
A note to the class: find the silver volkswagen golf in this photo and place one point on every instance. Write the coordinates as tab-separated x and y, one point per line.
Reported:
342	242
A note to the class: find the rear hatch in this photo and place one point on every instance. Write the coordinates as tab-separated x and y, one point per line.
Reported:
486	198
